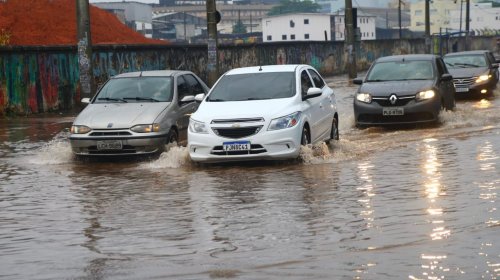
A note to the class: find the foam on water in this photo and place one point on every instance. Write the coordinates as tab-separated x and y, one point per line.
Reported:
174	157
56	151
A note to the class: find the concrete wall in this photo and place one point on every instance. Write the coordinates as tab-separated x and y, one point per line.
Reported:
45	79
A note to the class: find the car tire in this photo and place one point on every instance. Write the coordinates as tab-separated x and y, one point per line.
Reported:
172	137
304	138
334	133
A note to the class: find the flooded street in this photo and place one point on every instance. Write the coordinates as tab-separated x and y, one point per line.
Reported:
411	203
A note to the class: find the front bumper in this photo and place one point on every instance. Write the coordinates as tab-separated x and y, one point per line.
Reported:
473	88
414	112
265	145
87	146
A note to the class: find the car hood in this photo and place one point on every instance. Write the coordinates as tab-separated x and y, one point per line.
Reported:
398	87
467	72
266	109
120	115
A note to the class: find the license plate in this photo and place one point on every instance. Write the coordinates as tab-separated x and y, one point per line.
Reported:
462	89
396	111
236	146
109	145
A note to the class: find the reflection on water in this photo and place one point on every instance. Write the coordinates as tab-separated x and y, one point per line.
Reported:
381	203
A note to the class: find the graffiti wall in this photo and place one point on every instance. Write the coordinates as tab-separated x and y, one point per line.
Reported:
45	79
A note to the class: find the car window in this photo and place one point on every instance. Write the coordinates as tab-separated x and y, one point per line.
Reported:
318	81
138	89
401	70
253	86
491	57
441	67
182	88
305	82
194	84
465	61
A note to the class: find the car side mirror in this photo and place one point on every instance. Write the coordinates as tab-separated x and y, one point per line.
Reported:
85	100
313	92
187	99
446	77
199	97
495	65
357	81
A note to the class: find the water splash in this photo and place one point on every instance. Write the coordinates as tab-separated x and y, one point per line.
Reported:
56	151
174	157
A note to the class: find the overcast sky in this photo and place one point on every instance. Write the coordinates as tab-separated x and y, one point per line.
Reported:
140	1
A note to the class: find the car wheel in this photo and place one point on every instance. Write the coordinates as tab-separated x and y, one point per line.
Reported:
172	137
334	134
304	140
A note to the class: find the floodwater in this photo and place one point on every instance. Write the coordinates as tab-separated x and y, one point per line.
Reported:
410	203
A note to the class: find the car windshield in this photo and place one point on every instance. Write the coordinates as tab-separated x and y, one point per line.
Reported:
136	89
465	61
254	86
401	71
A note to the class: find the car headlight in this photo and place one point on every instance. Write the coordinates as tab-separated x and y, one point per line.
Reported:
80	129
285	122
197	127
427	94
364	97
483	78
145	128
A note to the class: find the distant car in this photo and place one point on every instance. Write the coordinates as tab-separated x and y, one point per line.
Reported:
263	112
474	72
137	113
403	89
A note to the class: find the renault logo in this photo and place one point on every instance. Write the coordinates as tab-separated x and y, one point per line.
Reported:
110	125
235	125
393	99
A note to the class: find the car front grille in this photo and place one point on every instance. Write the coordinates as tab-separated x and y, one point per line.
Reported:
401	101
110	133
464	82
237	132
254	149
238	120
126	149
407	118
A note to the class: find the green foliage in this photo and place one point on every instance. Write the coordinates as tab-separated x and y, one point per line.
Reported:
294	6
239	28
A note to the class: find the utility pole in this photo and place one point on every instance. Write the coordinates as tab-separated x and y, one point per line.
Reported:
427	26
349	40
212	66
399	18
84	48
467	20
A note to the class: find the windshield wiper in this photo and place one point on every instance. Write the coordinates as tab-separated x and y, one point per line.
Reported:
216	100
111	99
142	98
466	65
376	80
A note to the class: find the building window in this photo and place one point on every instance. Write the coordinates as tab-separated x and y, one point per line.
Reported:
269	37
306	36
292	24
306	21
283	37
292	37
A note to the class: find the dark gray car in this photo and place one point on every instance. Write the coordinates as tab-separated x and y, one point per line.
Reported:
403	89
474	72
137	113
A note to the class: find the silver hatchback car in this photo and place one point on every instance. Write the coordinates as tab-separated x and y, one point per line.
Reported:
137	113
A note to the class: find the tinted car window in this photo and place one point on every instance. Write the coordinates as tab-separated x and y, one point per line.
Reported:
254	86
305	82
194	84
182	87
441	67
401	70
318	82
136	88
466	61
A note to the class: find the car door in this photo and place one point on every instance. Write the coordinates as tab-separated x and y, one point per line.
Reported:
312	106
326	104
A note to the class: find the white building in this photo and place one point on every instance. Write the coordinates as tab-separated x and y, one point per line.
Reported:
313	27
483	19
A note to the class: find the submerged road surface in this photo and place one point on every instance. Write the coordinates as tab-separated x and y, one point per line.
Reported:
410	203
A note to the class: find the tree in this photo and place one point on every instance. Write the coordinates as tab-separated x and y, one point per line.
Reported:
239	28
294	6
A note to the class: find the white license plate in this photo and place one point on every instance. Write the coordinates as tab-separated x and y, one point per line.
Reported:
109	145
462	89
236	146
396	111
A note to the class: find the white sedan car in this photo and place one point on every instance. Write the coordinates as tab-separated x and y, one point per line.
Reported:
263	112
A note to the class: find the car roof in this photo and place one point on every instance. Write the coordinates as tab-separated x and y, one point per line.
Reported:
265	69
467	52
410	57
152	73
